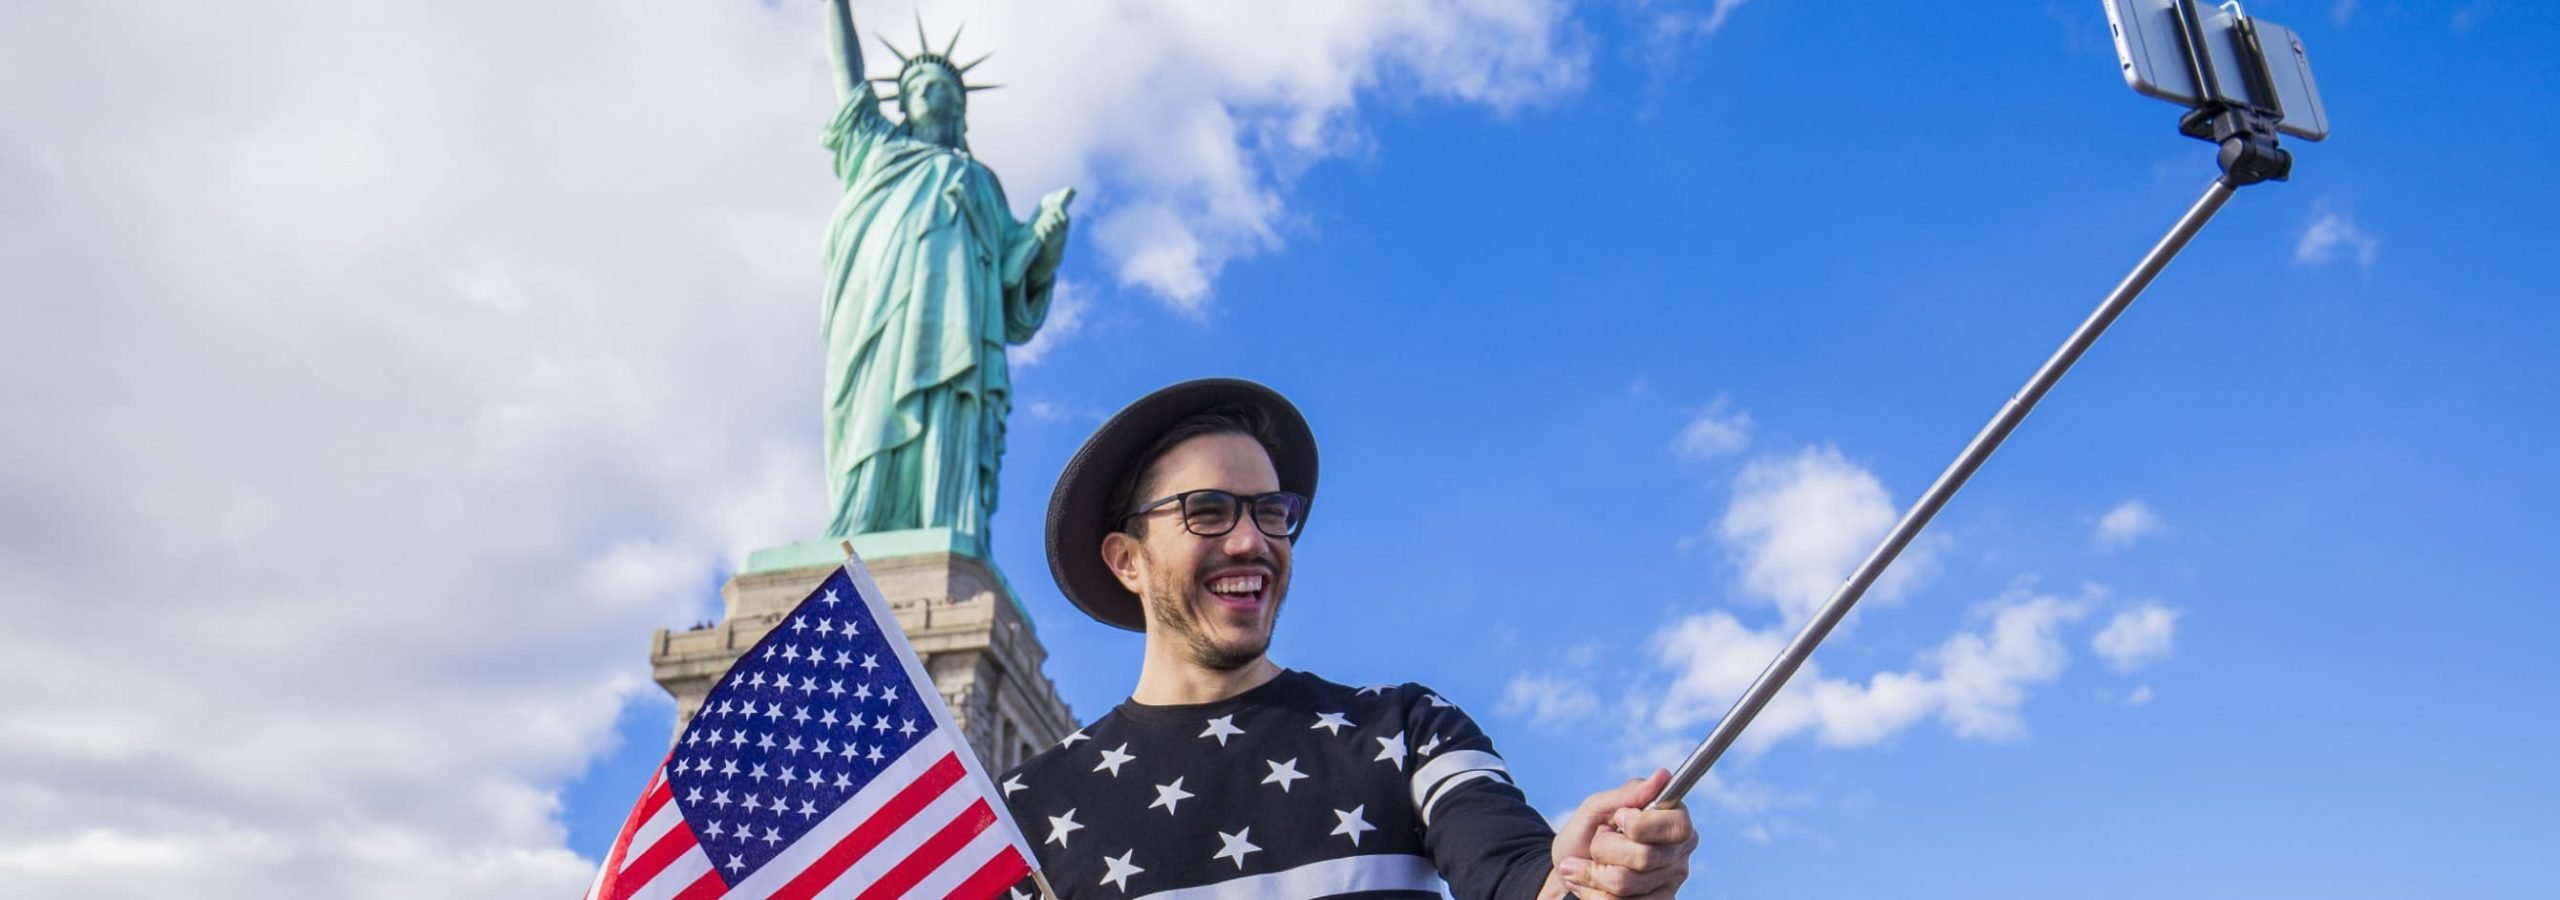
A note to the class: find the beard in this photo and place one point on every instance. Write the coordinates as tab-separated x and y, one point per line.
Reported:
1171	605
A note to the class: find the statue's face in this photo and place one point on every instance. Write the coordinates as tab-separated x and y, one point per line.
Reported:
932	97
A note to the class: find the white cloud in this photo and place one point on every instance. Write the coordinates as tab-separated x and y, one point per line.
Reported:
1975	683
2341	12
1547	700
1798	525
2128	522
402	365
2136	637
1717	430
1671	24
2141	696
2332	235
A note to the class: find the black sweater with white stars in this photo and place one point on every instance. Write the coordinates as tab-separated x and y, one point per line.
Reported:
1298	788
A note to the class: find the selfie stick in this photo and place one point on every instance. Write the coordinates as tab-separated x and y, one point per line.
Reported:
2249	155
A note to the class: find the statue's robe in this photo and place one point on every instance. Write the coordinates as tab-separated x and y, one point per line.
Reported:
919	308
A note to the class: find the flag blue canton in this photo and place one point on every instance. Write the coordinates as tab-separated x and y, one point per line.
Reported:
806	718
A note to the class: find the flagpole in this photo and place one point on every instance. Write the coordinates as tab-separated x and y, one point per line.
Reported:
1043	882
1765	687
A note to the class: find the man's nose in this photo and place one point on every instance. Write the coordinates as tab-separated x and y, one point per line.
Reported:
1246	541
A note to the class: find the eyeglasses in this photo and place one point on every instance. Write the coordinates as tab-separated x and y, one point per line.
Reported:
1213	513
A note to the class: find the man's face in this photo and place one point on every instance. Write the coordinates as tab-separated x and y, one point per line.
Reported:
1215	598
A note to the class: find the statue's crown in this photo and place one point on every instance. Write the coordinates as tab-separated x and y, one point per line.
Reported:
926	56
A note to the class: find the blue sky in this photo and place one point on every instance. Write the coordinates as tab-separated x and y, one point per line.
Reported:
1860	229
444	384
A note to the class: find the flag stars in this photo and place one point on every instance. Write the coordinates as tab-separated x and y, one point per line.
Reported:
735	863
1112	759
729	768
1221	728
826	628
1352	824
720	800
827	718
1118	870
880	725
714	830
844	658
874	755
798	625
821	748
1235	847
752	803
789	774
835	688
870	662
814	779
693	795
807	809
791	653
829	599
842	782
889	694
1391	749
907	729
807	684
1060	827
756	678
757	775
861	692
764	740
772	836
799	715
1282	773
1166	795
772	711
1332	723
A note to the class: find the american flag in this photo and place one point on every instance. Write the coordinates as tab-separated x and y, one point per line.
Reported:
822	765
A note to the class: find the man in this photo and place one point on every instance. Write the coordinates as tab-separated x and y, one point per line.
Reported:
1225	775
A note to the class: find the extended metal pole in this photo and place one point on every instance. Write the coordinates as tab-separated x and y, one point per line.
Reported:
1775	676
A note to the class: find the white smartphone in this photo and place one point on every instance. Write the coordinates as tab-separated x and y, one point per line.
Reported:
2151	44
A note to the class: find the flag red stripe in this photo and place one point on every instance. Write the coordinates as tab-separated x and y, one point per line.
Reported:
993	879
704	888
609	883
649	863
908	801
931	854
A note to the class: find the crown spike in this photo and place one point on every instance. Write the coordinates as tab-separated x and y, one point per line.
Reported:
980	87
923	44
964	70
953	46
892	48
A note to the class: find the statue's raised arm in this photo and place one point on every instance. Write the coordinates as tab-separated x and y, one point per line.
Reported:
845	47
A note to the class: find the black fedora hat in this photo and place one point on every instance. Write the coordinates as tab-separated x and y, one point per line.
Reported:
1080	512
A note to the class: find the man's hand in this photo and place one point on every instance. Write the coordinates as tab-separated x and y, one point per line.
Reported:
1612	848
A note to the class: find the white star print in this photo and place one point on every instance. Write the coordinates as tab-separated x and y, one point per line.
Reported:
1060	827
1236	847
1373	689
875	755
714	830
1169	794
1282	772
1332	723
772	835
1428	746
693	795
756	679
1221	727
1013	783
861	692
791	653
835	688
735	863
825	627
907	728
1119	871
1072	739
1352	823
1391	749
830	599
870	661
844	658
720	799
1436	702
1111	759
889	694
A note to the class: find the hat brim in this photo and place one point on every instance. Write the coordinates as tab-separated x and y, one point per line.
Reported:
1080	507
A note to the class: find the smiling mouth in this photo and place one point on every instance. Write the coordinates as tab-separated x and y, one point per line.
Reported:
1239	591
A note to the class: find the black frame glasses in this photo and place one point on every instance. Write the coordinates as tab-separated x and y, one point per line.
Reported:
1292	508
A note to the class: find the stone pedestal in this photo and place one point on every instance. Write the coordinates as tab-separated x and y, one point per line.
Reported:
955	609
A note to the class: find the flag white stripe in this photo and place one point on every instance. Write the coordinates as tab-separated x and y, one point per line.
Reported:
647	837
903	842
1350	874
862	806
677	876
963	864
1449	765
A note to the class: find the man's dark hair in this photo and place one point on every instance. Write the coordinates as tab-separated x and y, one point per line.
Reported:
1126	493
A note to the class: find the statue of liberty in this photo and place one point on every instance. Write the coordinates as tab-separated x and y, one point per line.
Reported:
929	277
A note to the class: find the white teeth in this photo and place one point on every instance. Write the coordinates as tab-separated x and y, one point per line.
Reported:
1241	584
